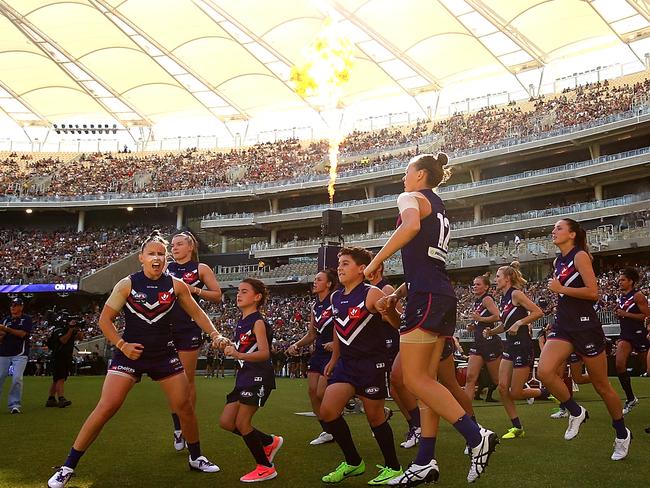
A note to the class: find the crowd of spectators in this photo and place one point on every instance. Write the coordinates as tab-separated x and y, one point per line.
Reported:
291	158
56	256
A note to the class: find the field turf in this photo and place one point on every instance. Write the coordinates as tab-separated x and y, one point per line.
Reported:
135	448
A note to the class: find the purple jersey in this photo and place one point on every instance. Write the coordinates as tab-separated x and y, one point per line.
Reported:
425	256
189	274
253	373
360	332
147	314
510	313
323	323
573	312
479	327
630	327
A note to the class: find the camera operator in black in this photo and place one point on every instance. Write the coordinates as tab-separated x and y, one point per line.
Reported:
67	330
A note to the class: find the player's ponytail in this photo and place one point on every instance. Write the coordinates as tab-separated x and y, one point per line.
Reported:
435	167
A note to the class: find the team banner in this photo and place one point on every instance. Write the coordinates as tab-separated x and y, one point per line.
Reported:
40	288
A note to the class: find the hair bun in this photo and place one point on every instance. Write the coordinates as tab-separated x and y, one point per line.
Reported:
155	233
515	264
442	159
487	275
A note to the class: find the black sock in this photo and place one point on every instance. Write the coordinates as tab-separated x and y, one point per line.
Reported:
415	418
266	439
195	450
73	458
254	445
624	378
341	432
177	422
323	426
384	437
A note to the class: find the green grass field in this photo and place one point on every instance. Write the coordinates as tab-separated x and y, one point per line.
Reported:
135	448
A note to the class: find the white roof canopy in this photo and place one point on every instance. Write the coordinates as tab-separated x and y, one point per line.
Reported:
139	60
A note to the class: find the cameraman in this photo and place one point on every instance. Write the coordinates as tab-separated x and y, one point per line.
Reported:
61	343
14	349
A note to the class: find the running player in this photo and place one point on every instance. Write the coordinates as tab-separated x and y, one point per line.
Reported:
358	366
578	329
487	349
632	309
320	332
254	382
517	313
186	334
423	234
145	347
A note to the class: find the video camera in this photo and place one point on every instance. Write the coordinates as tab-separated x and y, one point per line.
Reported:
64	319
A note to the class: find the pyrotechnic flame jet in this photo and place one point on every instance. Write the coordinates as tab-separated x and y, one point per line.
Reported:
329	60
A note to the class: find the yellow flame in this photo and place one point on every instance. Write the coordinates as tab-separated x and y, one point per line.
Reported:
329	60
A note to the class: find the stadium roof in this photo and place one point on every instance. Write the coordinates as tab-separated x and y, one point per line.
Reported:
140	60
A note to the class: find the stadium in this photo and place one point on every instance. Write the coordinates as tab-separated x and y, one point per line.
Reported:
269	136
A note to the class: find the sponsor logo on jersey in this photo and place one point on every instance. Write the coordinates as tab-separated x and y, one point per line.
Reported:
188	277
139	297
326	314
354	312
164	297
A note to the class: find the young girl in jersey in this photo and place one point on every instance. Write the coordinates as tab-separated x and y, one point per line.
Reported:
358	366
320	332
186	334
486	350
517	313
147	298
254	382
423	235
632	309
578	329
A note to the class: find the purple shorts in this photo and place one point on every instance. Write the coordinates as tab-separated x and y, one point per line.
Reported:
587	342
369	377
489	348
255	395
157	368
433	313
187	338
637	338
317	363
520	353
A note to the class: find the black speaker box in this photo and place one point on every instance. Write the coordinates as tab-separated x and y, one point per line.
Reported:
332	223
328	257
